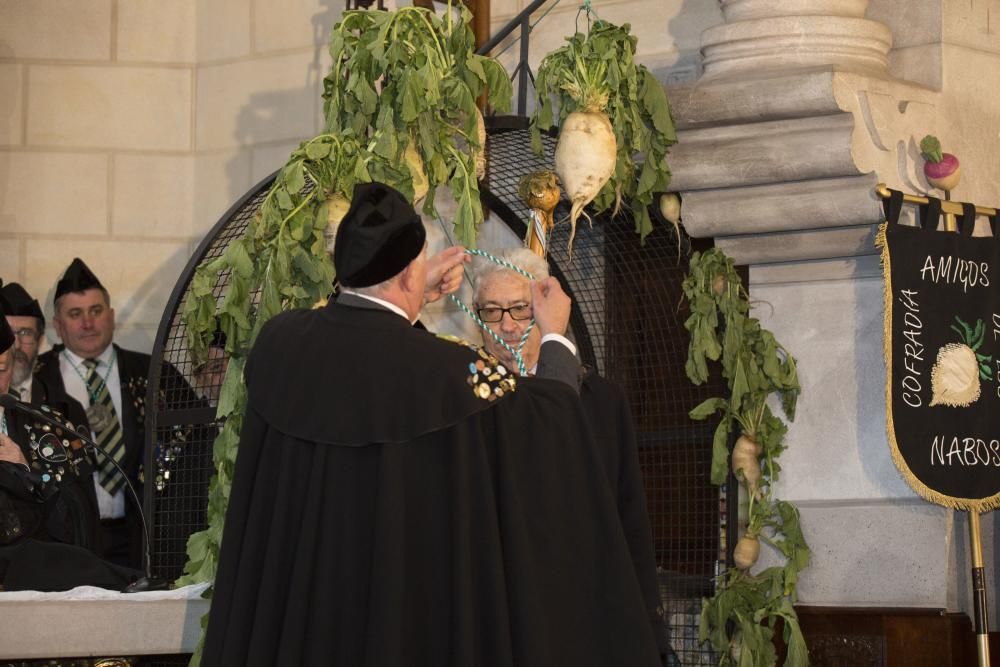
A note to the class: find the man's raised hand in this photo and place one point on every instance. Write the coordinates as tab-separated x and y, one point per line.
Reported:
551	306
444	272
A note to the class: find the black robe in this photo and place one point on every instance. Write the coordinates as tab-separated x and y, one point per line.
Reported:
382	513
52	499
52	511
608	414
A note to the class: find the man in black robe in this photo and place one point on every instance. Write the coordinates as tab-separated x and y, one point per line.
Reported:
400	499
503	300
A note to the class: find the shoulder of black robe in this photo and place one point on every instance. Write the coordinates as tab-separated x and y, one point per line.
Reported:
342	352
608	414
483	534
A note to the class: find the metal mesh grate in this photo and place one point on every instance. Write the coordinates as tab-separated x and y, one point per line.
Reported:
184	425
627	320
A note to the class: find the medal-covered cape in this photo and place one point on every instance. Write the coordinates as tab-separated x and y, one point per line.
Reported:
385	511
942	350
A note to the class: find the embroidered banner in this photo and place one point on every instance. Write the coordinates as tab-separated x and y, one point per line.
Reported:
942	350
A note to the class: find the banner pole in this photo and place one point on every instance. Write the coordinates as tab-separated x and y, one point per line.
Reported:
979	590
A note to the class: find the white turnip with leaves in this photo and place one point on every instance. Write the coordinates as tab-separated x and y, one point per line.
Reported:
959	367
610	111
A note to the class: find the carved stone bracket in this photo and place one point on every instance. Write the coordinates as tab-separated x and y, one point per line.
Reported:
779	162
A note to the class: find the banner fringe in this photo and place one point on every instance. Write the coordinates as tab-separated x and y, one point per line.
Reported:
978	505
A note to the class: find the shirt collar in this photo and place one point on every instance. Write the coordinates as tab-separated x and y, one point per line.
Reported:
382	302
103	359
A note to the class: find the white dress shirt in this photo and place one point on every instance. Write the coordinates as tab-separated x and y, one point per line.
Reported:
73	373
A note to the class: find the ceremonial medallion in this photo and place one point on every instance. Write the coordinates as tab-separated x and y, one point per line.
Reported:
99	417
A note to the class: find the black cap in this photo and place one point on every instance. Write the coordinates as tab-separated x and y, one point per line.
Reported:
78	278
6	335
18	303
380	234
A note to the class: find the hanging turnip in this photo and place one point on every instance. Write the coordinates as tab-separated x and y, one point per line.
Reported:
747	552
610	111
941	169
746	461
955	377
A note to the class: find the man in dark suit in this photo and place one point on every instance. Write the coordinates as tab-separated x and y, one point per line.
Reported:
503	300
111	382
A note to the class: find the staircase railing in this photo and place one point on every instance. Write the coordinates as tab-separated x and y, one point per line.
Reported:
522	72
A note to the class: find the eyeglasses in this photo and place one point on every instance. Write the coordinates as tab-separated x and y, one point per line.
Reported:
26	334
494	314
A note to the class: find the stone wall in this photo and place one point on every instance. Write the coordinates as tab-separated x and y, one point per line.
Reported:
127	127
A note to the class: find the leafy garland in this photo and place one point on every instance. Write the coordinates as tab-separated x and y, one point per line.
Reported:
602	65
411	79
400	80
739	620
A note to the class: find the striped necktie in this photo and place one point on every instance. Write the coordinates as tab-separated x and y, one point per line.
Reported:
110	439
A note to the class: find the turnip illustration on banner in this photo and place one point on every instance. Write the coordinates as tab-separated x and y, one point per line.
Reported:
942	351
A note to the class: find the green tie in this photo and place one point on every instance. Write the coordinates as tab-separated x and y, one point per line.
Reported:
110	439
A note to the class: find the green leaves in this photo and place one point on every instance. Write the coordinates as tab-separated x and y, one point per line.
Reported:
739	619
397	77
598	72
411	75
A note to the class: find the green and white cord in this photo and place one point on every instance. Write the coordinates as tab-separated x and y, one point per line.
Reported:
518	357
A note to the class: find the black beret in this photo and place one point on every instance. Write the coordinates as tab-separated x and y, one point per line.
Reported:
20	303
6	335
378	237
78	278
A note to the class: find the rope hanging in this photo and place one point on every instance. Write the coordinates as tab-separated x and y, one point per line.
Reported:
518	357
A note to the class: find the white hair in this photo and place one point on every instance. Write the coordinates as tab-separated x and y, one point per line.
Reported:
519	256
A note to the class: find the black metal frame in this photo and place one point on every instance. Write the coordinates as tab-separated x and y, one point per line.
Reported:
157	418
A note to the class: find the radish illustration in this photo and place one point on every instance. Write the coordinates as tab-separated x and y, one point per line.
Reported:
941	169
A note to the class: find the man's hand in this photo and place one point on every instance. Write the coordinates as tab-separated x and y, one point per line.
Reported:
444	272
551	306
9	451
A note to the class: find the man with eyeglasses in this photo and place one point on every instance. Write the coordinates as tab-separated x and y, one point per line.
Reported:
45	490
502	299
26	319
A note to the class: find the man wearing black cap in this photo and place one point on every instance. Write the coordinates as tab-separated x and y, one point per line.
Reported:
45	491
111	383
400	499
27	321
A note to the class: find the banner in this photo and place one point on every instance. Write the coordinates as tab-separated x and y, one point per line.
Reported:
942	350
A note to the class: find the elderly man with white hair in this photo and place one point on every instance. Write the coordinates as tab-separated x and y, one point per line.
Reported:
503	301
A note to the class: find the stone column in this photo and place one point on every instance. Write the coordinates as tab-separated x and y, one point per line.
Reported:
782	135
774	34
781	142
